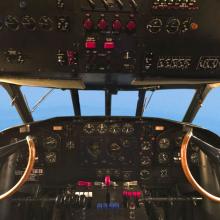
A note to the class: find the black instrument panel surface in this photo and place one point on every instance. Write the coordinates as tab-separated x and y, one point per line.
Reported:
110	44
127	149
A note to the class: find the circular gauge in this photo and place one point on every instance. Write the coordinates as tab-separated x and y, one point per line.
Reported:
94	150
70	145
114	150
28	23
50	143
164	173
114	129
46	23
146	161
89	128
51	157
145	174
127	129
163	158
102	128
173	25
164	143
179	140
146	145
12	23
155	26
194	157
185	26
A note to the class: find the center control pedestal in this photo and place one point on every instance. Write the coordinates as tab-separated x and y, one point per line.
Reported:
110	200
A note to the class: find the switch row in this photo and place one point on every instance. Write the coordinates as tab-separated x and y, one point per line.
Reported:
90	43
116	25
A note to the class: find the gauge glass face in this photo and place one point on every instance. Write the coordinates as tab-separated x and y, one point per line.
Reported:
173	25
94	150
128	129
163	158
102	128
29	23
70	145
51	157
179	141
114	129
164	143
155	25
89	128
50	143
46	23
146	161
146	145
115	150
145	174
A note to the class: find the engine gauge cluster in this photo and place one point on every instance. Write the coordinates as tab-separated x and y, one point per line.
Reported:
104	128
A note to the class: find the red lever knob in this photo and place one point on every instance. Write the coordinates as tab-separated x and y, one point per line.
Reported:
88	24
107	180
131	25
117	25
102	25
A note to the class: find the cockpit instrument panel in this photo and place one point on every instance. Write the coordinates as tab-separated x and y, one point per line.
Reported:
101	41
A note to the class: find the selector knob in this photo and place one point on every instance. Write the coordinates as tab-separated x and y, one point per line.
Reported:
22	4
88	24
102	25
131	26
117	25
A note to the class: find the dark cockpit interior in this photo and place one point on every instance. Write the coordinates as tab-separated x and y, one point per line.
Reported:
109	167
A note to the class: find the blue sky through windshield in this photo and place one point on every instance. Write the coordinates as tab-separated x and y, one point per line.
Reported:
8	114
170	104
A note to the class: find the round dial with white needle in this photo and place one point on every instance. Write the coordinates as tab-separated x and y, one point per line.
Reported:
128	128
164	143
102	128
51	157
114	129
50	143
89	128
146	145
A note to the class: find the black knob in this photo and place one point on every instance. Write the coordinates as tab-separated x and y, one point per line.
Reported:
22	4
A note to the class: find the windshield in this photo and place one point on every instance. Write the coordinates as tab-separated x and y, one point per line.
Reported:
208	116
45	103
124	103
168	104
92	103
